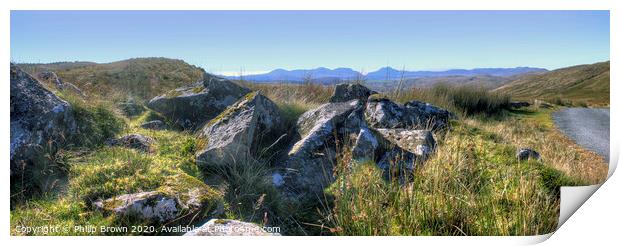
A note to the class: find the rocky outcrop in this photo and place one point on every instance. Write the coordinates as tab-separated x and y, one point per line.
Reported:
225	227
191	106
154	125
241	132
41	123
348	92
311	159
53	79
525	154
383	113
133	141
180	195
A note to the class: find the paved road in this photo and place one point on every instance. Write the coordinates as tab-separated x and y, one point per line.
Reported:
588	127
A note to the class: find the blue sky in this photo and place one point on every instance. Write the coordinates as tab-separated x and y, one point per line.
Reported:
225	42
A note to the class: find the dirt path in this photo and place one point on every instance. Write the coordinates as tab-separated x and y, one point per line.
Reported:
588	127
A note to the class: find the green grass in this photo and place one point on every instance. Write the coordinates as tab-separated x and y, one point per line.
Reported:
572	86
473	185
140	78
105	172
465	100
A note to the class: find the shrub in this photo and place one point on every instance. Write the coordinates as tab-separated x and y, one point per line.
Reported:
96	123
467	100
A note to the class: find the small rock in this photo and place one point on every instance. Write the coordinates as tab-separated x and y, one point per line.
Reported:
516	105
525	154
226	227
348	92
134	141
154	125
542	104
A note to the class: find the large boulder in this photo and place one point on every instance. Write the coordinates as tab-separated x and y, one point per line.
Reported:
383	113
348	92
180	195
226	227
191	106
41	123
239	133
311	159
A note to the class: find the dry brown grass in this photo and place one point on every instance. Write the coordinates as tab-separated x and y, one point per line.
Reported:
535	130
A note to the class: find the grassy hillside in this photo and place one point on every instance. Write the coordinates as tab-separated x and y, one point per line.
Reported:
578	84
471	185
139	78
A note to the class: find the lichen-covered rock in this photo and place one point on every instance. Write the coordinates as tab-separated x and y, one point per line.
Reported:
154	125
240	132
41	123
524	154
143	205
226	227
517	105
311	159
180	195
423	115
348	92
365	146
398	164
191	106
383	113
419	142
404	149
53	79
133	141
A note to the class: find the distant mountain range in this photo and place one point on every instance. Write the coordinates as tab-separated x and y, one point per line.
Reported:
383	74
